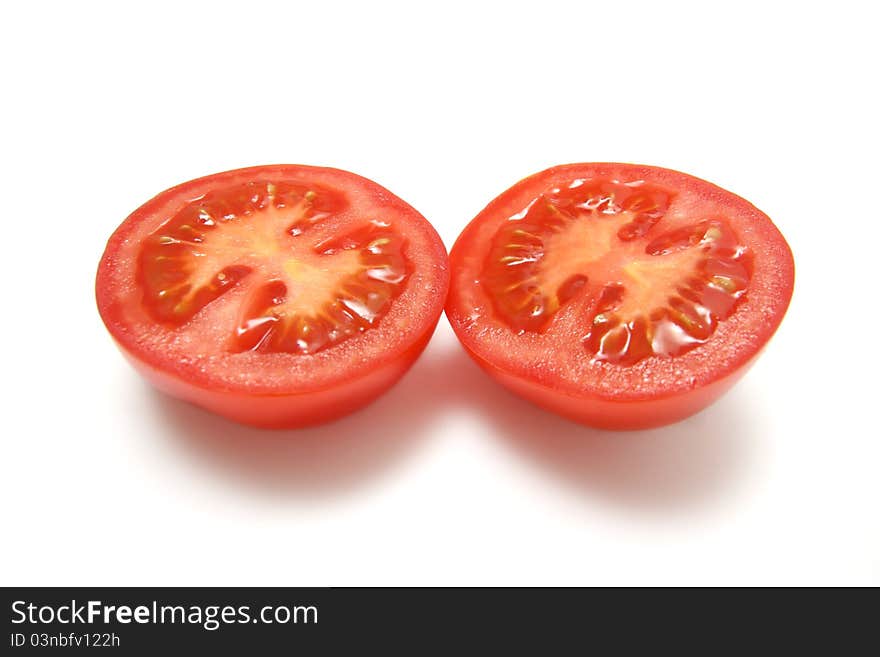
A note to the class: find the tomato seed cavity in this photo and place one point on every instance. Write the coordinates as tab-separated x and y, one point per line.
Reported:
584	241
304	293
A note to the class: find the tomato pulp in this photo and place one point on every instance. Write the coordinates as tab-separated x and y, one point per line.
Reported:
620	296
277	296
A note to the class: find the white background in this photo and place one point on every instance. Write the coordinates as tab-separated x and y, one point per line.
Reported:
447	479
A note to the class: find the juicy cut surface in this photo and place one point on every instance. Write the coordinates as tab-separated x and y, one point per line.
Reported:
308	287
650	290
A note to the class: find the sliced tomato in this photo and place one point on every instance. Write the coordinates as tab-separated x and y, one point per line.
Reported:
276	296
620	296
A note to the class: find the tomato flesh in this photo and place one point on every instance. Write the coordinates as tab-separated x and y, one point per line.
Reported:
275	287
309	290
592	284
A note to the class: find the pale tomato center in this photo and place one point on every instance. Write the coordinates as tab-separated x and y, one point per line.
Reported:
650	292
307	289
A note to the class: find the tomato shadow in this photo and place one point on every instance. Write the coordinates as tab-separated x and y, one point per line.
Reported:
691	463
688	464
319	461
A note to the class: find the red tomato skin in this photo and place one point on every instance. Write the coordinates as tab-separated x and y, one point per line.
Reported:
286	411
353	385
609	414
619	410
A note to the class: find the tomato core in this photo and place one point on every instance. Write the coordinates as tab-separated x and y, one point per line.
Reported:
601	241
308	287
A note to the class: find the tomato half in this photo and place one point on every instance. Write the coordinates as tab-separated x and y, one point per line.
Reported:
618	295
276	296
